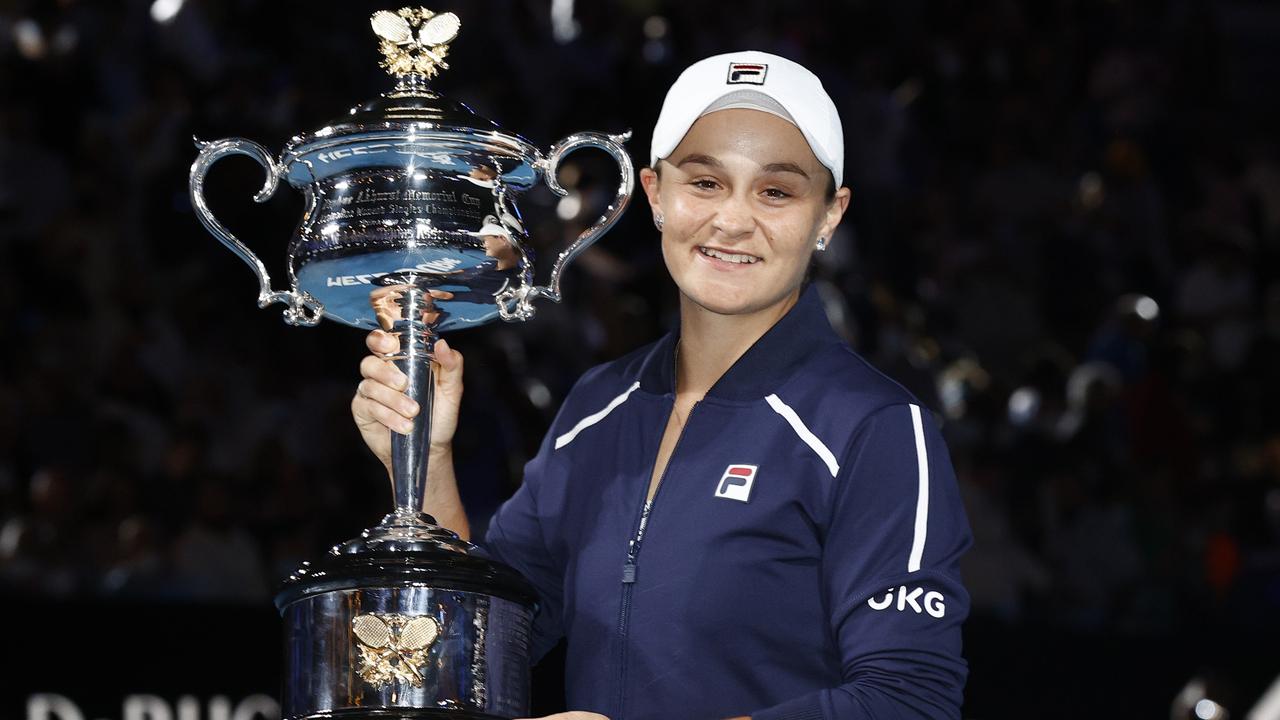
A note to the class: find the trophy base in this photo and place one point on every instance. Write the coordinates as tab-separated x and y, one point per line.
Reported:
435	633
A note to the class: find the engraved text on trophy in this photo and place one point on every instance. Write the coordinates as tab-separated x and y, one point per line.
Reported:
377	197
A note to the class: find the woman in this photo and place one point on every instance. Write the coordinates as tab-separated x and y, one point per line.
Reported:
743	518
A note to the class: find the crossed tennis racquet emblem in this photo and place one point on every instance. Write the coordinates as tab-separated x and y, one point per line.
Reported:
393	647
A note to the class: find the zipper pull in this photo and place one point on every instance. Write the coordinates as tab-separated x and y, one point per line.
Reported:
629	571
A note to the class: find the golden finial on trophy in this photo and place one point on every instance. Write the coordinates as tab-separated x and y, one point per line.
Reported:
406	53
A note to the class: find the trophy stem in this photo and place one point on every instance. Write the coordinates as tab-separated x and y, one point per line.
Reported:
410	453
405	306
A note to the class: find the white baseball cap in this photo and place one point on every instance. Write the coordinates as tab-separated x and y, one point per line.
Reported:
758	81
491	228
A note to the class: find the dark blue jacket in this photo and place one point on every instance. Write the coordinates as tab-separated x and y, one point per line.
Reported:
800	557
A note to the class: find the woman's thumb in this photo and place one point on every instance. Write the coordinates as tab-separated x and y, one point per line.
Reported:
450	360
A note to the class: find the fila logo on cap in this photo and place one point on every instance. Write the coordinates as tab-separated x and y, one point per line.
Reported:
746	73
736	482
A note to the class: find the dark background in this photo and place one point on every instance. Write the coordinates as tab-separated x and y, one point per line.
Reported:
1064	237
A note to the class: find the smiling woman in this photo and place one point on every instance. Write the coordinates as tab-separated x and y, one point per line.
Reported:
743	204
795	510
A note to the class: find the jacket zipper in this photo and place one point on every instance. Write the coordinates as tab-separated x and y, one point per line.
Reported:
633	550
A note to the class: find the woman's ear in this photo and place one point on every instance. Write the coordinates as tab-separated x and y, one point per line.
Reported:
649	181
834	212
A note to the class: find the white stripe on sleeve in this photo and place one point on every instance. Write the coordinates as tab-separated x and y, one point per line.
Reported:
595	417
922	500
809	438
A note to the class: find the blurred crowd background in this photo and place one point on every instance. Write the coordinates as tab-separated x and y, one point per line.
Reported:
1064	237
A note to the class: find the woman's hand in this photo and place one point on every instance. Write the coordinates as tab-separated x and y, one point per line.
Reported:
380	404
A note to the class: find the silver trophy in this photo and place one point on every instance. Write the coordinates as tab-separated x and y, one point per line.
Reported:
410	226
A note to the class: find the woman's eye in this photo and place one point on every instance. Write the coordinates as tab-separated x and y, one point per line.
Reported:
776	194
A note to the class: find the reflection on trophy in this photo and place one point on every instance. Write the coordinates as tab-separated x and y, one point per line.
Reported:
410	226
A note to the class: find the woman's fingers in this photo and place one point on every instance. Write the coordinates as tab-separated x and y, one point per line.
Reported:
387	396
383	371
380	397
364	407
382	343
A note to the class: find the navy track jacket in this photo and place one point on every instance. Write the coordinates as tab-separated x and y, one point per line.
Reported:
800	557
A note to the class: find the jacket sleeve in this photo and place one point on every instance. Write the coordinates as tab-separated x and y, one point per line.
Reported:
517	537
891	577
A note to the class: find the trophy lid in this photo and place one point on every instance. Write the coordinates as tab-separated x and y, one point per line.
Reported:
414	43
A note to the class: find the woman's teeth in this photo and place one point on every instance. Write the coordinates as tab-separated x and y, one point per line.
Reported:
728	257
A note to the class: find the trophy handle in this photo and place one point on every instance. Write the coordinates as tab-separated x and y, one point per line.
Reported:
303	309
523	296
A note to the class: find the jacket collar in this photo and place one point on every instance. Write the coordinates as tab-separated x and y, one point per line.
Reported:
764	366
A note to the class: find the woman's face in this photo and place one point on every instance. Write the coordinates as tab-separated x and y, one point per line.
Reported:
743	201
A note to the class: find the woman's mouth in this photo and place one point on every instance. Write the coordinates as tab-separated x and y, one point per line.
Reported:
736	258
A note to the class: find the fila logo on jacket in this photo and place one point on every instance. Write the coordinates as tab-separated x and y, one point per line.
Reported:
736	482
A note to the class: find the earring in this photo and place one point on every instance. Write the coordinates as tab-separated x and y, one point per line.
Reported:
822	243
657	221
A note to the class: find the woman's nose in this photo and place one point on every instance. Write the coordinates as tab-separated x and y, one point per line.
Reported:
734	217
